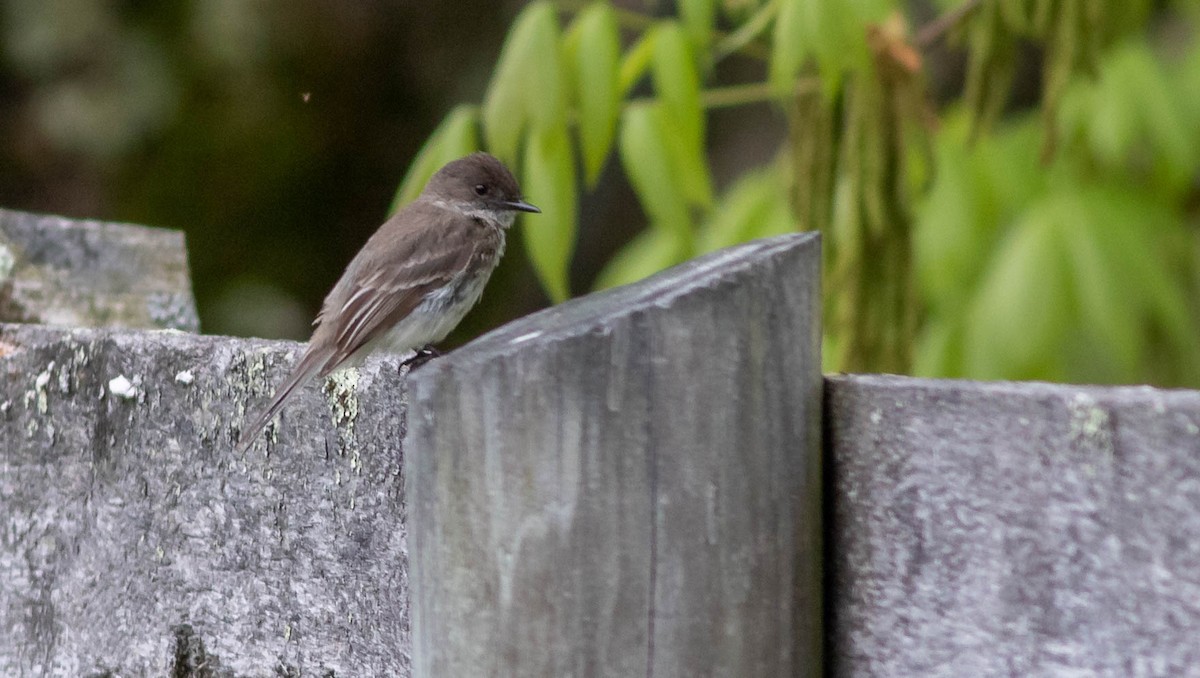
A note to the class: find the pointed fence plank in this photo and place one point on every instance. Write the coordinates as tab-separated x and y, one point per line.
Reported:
628	484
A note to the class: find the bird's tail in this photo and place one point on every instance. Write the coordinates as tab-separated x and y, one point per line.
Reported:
310	364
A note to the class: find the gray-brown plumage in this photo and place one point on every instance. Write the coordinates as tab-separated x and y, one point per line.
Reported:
415	278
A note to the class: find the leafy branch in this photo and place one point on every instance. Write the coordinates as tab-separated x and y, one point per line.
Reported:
865	147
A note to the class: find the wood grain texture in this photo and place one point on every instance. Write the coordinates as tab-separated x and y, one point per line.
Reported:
1013	529
628	484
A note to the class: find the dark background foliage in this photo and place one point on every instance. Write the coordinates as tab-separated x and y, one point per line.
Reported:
273	133
1048	202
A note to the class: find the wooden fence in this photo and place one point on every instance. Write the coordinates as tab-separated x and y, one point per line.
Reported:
629	484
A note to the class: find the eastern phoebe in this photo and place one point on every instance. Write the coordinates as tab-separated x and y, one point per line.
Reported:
415	278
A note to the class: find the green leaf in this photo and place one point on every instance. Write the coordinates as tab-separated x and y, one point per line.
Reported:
1133	233
1134	114
594	50
979	189
1022	310
503	106
756	207
790	48
1108	310
676	79
547	90
678	87
955	220
778	220
839	35
636	62
549	180
738	12
1163	122
939	350
688	164
456	137
831	31
649	252
698	17
529	85
648	165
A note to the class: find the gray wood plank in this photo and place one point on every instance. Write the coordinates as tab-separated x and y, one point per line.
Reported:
134	542
71	273
1013	529
628	484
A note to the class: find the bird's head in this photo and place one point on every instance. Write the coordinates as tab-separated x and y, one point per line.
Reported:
478	183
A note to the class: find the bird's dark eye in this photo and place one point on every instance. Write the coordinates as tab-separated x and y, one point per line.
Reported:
481	189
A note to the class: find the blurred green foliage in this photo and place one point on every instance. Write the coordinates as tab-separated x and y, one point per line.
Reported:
1006	188
964	236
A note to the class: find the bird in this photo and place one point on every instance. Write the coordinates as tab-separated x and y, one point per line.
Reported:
414	279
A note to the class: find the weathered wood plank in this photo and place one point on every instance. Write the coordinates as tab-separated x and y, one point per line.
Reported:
134	542
1000	529
628	484
65	272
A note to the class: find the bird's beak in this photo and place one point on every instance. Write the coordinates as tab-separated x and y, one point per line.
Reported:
521	206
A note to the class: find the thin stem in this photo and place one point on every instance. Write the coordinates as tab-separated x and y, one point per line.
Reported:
751	93
741	95
938	28
739	40
626	18
636	21
629	18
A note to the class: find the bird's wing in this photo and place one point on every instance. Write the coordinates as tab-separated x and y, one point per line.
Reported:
382	285
381	290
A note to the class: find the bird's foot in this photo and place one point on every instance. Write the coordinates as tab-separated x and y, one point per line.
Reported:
422	356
